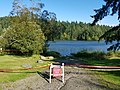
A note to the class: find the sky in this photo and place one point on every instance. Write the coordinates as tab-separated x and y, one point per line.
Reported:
68	10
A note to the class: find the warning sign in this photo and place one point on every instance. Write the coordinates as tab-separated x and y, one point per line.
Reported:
56	72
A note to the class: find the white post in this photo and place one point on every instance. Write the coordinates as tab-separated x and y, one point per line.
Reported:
50	72
1	49
63	72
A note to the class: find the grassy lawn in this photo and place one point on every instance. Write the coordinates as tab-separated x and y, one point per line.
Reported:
103	62
17	62
111	77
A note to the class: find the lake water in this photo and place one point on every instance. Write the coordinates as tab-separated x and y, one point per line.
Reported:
68	47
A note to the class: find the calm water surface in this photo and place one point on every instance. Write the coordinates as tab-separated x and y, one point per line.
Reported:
67	47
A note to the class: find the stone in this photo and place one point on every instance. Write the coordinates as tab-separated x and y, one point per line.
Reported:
50	57
27	66
40	61
46	58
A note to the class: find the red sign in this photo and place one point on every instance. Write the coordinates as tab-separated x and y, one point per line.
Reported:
56	72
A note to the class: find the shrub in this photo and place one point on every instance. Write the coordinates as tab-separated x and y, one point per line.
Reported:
52	53
25	37
113	54
88	54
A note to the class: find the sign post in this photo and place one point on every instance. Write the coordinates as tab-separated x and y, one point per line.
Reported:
1	50
57	71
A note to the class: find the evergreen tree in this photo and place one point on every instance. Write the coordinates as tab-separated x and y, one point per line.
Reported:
110	8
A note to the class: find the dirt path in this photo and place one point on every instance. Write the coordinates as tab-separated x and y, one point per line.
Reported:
75	79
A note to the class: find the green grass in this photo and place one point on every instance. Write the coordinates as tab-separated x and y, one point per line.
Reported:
99	58
109	78
103	62
16	62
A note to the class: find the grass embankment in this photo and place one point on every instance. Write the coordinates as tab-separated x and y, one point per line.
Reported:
111	77
17	62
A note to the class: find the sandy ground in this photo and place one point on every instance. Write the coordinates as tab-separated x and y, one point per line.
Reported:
75	79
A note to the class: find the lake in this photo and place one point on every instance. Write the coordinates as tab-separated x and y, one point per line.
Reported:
68	47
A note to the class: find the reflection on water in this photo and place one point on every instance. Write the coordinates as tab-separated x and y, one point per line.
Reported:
67	47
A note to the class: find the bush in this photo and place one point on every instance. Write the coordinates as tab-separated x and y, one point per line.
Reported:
26	39
113	54
52	53
88	54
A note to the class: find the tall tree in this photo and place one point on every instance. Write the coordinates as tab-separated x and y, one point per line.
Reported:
49	25
110	8
4	23
24	33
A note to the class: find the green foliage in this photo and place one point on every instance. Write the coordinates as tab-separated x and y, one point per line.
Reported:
28	27
88	54
49	25
110	8
112	35
24	38
56	30
24	33
52	53
4	23
99	58
80	31
113	54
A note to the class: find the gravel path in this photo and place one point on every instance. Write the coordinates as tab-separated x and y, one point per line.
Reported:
75	79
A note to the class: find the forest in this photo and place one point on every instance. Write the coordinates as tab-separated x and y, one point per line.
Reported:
64	30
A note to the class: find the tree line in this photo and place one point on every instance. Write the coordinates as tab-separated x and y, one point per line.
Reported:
79	31
64	30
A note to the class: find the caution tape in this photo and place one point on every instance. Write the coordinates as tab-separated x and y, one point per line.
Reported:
11	70
94	67
71	65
